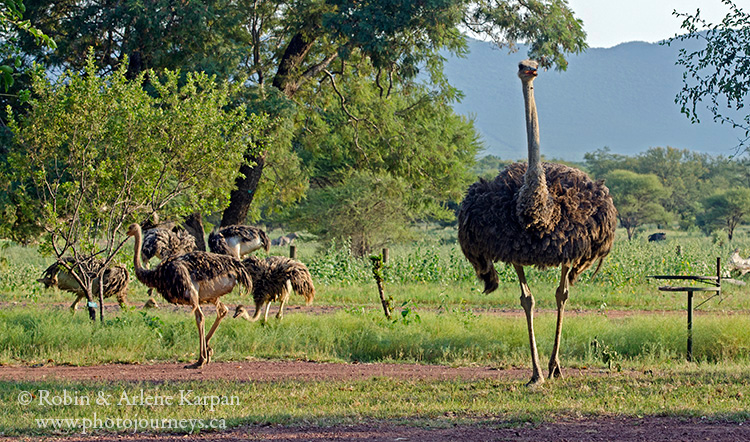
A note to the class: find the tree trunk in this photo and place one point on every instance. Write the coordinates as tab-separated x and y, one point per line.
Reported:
194	226
294	55
243	195
287	80
630	231
101	298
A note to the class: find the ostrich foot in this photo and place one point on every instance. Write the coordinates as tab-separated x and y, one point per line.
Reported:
200	363
210	354
535	381
554	369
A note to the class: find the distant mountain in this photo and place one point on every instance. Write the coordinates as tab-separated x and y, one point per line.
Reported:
620	97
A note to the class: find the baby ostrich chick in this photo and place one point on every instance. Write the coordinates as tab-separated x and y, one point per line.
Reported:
115	282
273	279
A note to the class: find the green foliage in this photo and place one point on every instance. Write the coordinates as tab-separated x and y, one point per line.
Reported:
725	209
95	153
489	166
718	72
686	176
367	209
11	24
375	118
30	336
636	198
549	27
399	129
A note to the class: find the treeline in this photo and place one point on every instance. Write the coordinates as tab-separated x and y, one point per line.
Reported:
665	186
669	186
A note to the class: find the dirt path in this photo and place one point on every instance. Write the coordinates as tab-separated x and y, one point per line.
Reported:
113	308
652	429
263	371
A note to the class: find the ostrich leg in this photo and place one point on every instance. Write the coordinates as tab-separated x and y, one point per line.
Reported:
561	296
221	312
74	306
284	299
200	322
527	302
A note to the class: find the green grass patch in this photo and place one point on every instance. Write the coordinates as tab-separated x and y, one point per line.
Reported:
714	394
32	335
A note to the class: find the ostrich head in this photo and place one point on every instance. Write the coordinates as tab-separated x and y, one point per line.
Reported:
527	70
241	312
133	229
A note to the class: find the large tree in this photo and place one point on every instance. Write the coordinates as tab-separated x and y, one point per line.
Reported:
303	50
725	209
636	197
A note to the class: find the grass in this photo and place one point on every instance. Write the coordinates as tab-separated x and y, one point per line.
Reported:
682	392
29	336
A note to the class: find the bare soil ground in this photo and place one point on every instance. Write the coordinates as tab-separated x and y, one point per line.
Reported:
606	428
111	307
652	429
267	371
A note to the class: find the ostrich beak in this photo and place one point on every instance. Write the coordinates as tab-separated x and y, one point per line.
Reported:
531	72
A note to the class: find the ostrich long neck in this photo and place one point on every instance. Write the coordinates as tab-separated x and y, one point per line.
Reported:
141	273
533	204
532	129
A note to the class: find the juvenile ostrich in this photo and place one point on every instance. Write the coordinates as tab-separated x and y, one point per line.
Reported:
238	240
116	280
163	242
192	279
540	214
273	279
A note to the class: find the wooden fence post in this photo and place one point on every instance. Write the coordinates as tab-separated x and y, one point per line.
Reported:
293	252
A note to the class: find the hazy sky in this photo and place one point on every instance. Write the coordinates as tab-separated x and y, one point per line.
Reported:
611	22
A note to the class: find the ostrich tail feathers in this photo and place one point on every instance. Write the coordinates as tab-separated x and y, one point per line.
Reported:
598	266
491	281
264	239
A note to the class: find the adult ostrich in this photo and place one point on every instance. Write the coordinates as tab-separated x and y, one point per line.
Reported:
192	279
540	214
237	240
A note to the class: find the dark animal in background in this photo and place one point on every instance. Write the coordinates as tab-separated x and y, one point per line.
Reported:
116	279
192	279
238	240
658	236
540	214
273	279
284	240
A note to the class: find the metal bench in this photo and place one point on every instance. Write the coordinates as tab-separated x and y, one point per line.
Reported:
714	285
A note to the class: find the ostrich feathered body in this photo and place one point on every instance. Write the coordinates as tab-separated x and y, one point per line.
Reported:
249	238
578	228
163	243
213	275
116	279
271	275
